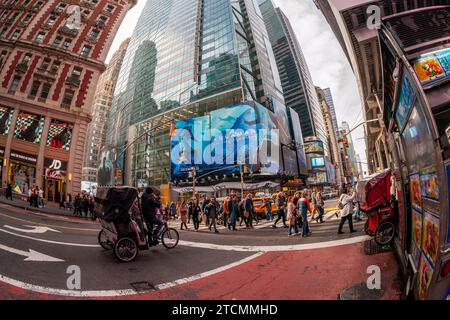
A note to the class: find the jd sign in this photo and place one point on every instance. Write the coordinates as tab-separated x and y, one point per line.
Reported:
56	165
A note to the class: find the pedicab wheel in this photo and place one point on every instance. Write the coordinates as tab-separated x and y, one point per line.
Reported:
385	233
103	241
170	238
126	249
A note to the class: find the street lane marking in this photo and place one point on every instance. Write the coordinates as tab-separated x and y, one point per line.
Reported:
119	293
47	225
34	229
50	241
296	247
31	255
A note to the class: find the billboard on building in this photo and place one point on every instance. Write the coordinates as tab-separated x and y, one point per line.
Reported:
226	138
314	147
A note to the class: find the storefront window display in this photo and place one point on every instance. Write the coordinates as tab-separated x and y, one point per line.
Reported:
59	135
29	127
22	172
405	101
5	119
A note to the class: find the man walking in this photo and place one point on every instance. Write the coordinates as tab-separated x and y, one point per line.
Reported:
320	203
249	208
234	206
281	204
212	208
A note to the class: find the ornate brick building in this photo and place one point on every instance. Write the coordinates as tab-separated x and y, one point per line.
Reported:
51	56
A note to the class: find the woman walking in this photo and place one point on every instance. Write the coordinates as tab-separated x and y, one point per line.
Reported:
183	213
304	207
292	217
346	205
234	204
195	212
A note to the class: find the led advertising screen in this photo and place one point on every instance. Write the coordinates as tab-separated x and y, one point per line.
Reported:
314	147
317	178
317	162
433	68
290	161
59	135
283	122
29	127
298	137
219	142
5	119
105	170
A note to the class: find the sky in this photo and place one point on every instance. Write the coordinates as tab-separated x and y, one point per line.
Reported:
326	60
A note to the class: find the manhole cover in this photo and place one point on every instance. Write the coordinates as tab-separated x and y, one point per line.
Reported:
360	292
143	286
372	247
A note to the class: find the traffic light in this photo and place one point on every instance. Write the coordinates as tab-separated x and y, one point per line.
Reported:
118	173
345	140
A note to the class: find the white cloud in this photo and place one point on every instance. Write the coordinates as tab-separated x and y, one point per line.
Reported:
327	62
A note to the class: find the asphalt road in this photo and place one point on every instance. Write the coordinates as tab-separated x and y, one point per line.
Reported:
56	243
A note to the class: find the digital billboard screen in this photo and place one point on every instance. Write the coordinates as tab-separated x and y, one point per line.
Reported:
223	140
283	122
317	162
314	147
290	162
298	137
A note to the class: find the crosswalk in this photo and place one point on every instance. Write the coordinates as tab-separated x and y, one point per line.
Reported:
330	226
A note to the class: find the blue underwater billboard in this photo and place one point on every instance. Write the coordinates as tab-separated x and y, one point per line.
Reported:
219	143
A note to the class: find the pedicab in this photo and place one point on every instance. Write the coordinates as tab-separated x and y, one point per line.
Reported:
375	201
123	227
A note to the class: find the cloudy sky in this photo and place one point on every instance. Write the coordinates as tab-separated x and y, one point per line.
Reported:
327	63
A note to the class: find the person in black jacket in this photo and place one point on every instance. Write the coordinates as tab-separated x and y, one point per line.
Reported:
212	209
150	204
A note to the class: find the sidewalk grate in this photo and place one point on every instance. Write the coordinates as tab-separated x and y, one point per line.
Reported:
371	247
360	292
143	286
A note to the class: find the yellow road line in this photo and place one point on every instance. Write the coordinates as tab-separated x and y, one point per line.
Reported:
331	209
46	225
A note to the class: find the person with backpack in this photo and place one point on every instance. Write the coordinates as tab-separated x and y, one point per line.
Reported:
345	206
304	207
281	204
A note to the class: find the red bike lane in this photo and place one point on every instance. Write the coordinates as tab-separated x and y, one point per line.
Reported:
316	274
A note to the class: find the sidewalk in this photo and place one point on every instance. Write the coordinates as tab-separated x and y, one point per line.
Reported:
26	206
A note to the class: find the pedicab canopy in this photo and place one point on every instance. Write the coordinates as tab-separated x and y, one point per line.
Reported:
113	204
374	191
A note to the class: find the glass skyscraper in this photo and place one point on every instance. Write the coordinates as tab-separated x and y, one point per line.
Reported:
185	59
298	87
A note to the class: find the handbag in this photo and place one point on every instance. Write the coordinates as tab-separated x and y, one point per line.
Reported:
246	214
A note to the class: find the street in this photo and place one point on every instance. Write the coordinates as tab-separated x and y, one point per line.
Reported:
245	264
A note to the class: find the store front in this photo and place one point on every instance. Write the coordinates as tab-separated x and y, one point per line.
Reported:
2	157
54	182
22	172
417	115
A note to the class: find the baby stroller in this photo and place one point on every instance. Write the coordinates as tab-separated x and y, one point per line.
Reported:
375	201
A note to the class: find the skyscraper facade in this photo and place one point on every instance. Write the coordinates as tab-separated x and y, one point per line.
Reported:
96	133
351	148
330	102
51	56
298	87
185	58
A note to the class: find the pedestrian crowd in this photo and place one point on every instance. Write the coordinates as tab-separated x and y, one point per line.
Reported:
292	211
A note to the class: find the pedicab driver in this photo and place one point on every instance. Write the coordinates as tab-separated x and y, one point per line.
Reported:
150	204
